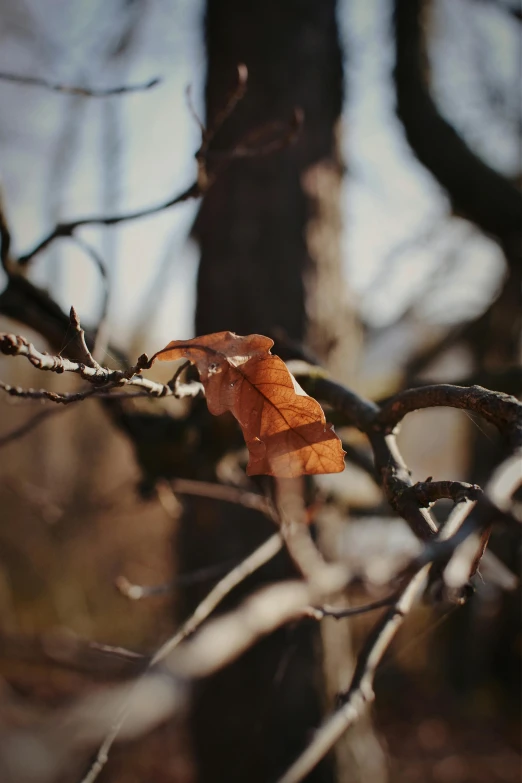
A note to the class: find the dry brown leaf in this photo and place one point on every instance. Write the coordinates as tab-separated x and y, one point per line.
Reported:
285	430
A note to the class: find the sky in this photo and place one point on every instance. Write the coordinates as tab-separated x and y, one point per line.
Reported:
64	156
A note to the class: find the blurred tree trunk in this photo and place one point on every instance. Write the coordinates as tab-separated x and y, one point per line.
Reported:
476	191
270	228
269	232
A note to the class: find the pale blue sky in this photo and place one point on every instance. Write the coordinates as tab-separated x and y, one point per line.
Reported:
54	151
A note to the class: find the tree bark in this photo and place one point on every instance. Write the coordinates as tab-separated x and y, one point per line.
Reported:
269	232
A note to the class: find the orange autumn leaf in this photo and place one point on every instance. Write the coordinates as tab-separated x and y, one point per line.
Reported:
285	430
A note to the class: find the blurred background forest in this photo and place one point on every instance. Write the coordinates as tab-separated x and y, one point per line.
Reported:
385	241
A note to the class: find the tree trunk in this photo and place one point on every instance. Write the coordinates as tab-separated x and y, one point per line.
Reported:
270	228
268	231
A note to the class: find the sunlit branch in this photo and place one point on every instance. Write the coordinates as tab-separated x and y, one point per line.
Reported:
258	558
360	692
427	492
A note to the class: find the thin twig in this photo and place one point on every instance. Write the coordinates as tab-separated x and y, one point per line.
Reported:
278	135
457	528
504	482
102	378
390	468
205	178
136	592
67	229
339	613
205	489
88	358
223	639
15	345
197	189
41	394
252	563
73	653
234	97
27	426
322	577
258	558
360	693
174	381
379	423
88	92
192	110
100	265
226	493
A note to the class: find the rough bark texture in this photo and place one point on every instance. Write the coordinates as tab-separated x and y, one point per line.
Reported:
253	225
256	261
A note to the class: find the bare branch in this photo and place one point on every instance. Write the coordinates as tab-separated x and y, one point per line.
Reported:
322	577
427	492
390	468
102	378
26	427
14	345
270	138
454	541
225	638
226	493
219	643
174	381
206	489
360	693
475	189
128	711
395	479
45	394
502	410
258	558
252	563
339	613
88	92
88	358
281	136
68	229
195	190
457	528
235	96
505	481
136	592
66	651
100	265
